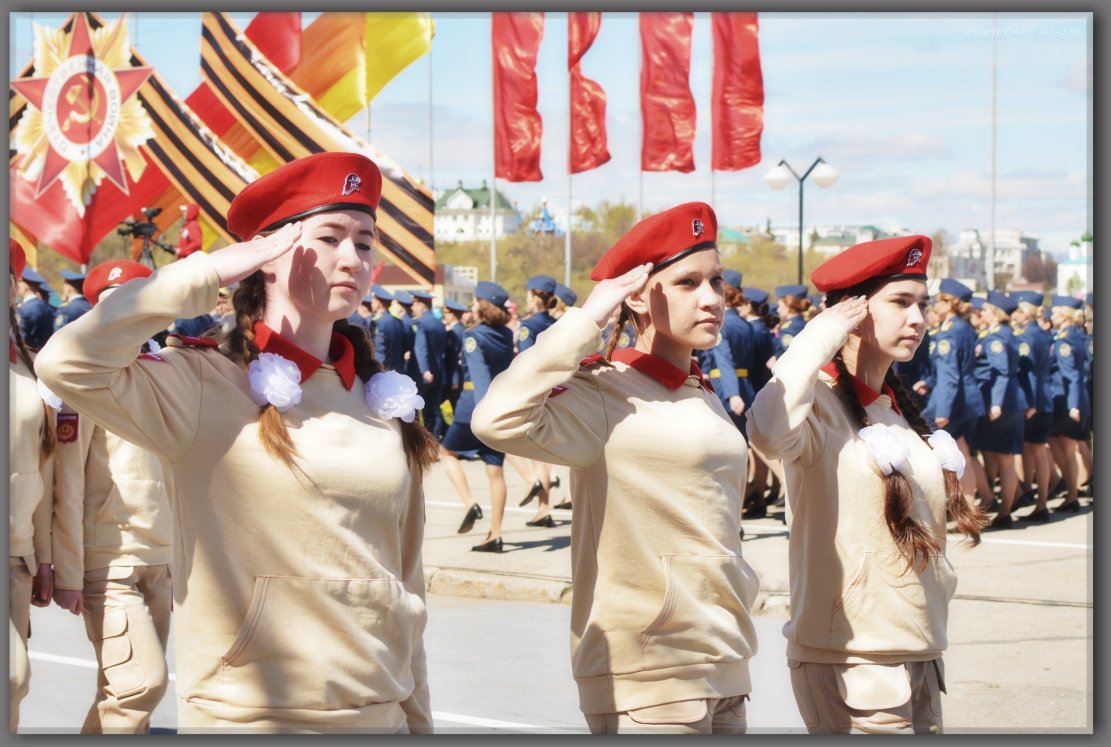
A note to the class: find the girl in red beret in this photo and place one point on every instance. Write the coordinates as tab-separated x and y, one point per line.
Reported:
661	633
31	445
296	463
868	488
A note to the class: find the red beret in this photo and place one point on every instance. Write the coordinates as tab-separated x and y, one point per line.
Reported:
110	274
894	259
314	184
662	239
17	259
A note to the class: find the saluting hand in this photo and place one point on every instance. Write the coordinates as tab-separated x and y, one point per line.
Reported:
608	294
847	313
237	261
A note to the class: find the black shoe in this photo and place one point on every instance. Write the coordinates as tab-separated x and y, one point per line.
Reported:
1025	499
993	507
546	521
1073	506
493	545
474	513
566	505
537	489
1002	521
755	511
555	481
1041	514
742	532
1062	486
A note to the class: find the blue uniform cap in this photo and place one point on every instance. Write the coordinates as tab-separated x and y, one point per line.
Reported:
815	300
755	295
1028	296
565	294
492	292
403	297
452	305
977	302
72	277
380	293
1002	301
955	288
423	295
542	283
1069	301
733	277
798	291
31	276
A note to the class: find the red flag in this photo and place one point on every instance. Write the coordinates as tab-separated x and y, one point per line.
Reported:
666	103
737	105
588	100
517	126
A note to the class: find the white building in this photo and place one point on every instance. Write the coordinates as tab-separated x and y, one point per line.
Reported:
464	215
968	257
1074	274
831	239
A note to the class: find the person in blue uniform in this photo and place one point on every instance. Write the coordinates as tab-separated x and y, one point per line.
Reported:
541	298
360	317
732	358
792	304
389	333
1034	345
453	350
426	363
487	351
74	303
999	433
36	317
1071	406
565	298
754	310
955	403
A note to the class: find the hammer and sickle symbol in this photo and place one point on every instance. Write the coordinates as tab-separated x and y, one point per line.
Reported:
73	97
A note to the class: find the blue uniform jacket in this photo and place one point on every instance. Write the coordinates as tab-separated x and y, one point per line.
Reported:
787	331
1000	373
36	322
428	335
487	351
530	328
956	394
732	360
1070	354
453	355
763	348
389	335
69	311
194	327
1034	345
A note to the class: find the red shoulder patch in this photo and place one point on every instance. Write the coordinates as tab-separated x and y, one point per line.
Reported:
556	391
207	342
591	359
67	427
151	357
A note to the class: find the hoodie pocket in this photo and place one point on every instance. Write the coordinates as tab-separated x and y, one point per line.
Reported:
323	644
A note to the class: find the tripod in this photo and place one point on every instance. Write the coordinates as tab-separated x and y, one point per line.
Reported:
146	257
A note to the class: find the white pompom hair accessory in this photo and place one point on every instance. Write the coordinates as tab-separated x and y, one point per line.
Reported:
52	400
947	452
274	380
886	446
390	394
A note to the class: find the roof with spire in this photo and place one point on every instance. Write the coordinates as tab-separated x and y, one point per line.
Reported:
480	198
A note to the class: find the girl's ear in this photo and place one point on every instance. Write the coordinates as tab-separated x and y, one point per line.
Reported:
637	303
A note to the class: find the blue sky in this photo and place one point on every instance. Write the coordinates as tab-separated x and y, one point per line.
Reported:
899	103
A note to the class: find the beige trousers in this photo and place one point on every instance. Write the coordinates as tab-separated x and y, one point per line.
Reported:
127	617
869	698
19	629
705	716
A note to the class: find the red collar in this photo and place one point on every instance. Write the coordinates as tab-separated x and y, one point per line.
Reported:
866	394
659	369
340	351
11	350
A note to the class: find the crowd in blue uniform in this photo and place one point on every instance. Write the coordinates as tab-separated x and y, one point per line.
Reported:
1009	376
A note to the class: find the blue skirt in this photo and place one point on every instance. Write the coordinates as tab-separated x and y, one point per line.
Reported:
1002	436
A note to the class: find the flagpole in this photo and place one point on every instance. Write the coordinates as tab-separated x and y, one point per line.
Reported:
713	190
567	237
990	272
493	161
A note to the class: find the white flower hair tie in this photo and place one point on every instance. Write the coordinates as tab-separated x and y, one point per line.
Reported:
390	394
886	446
52	400
947	452
274	380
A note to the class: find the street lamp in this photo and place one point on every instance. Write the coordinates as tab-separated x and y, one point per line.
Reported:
779	176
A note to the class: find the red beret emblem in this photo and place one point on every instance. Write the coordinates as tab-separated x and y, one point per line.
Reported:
351	184
697	227
914	256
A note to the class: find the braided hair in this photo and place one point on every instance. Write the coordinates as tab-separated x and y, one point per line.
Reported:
626	316
915	542
239	345
47	434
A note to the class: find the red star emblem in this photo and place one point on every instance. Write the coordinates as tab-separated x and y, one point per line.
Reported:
80	103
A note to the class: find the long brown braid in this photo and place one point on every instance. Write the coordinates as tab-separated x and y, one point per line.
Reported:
238	344
47	434
627	316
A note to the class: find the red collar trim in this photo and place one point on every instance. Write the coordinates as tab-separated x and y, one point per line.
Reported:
659	369
865	393
340	351
11	350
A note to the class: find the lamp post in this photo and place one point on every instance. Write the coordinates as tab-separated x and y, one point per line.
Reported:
779	176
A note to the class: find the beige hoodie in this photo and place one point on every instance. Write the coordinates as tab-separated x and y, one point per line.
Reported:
850	600
661	593
298	593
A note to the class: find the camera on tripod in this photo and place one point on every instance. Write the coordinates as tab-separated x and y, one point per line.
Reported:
144	230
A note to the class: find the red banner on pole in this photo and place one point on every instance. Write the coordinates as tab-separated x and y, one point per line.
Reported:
588	101
517	126
737	103
666	104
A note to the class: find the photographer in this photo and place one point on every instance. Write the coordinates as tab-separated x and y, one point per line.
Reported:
190	240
